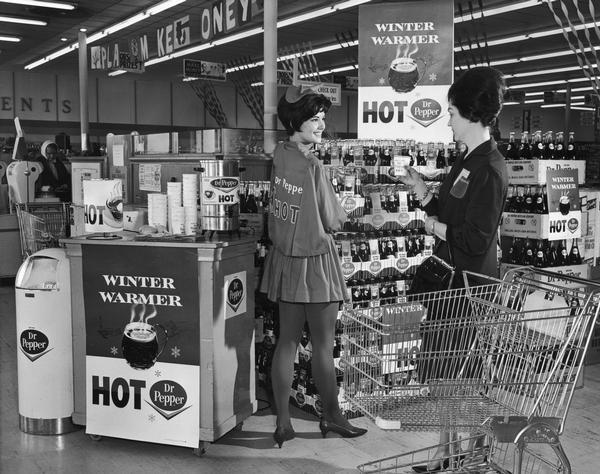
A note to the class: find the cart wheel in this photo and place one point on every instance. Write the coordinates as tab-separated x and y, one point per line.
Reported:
201	449
95	437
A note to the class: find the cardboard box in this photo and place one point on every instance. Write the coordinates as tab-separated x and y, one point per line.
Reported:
534	171
540	226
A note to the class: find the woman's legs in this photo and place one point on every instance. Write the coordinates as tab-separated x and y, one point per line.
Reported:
291	322
321	319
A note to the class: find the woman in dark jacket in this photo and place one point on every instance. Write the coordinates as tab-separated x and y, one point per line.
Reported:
303	272
465	215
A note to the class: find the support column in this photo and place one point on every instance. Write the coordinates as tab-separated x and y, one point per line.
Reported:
270	73
567	111
83	91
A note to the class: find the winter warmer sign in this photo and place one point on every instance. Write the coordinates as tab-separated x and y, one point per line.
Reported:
142	333
405	69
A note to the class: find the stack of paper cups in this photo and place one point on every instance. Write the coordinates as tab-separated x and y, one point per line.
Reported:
191	220
190	190
176	220
174	193
157	209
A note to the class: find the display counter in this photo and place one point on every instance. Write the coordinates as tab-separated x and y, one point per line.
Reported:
163	336
10	244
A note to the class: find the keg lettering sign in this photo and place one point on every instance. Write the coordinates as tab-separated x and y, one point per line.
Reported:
220	191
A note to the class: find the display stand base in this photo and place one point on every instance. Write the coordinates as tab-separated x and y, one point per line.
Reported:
46	426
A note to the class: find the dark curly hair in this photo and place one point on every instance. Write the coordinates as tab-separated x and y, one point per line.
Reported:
293	115
478	94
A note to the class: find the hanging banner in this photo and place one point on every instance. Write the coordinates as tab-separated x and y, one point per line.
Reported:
564	210
406	64
142	333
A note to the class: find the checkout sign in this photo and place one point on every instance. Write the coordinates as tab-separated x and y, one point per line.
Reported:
332	91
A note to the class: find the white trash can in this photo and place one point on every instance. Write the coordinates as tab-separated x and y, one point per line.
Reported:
44	343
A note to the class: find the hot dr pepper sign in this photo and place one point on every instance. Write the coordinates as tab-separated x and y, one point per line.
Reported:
405	69
235	294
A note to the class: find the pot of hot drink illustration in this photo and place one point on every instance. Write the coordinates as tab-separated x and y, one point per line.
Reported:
140	338
404	73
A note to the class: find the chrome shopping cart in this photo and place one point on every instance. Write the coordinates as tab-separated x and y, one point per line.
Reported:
498	359
41	225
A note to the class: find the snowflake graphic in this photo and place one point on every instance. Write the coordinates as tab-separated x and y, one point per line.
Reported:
382	81
157	373
433	77
151	418
114	351
176	352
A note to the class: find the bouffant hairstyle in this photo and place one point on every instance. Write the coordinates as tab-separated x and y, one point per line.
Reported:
293	115
478	94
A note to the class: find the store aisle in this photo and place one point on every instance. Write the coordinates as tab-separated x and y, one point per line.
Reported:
250	450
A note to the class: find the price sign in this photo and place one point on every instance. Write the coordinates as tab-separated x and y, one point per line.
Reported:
204	70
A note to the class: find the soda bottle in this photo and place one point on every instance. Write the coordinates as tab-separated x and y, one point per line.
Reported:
440	162
513	252
370	156
509	199
551	255
527	258
528	200
570	153
385	156
544	201
540	256
525	147
538	198
574	255
511	151
421	155
559	148
549	146
519	200
562	256
451	153
537	149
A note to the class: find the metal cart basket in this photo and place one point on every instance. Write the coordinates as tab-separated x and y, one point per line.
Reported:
498	359
41	225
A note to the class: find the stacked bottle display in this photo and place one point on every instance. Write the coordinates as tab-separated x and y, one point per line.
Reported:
541	146
527	199
377	156
543	253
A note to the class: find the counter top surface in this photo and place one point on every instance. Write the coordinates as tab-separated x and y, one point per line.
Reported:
207	240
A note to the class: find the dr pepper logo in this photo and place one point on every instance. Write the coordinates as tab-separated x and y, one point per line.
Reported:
426	111
225	184
235	293
34	344
168	398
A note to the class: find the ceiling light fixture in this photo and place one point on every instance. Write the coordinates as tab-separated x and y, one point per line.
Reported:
23	21
118	72
37	3
157	8
550	83
9	38
497	11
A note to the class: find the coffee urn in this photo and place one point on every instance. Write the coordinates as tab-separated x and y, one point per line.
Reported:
219	198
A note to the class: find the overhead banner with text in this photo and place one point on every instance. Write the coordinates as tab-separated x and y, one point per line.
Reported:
142	332
406	64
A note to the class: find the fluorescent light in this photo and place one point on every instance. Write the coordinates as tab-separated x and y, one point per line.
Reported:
511	103
24	21
238	36
533	101
543	71
549	83
587	109
159	7
499	10
320	12
36	3
118	72
329	71
550	106
10	39
350	3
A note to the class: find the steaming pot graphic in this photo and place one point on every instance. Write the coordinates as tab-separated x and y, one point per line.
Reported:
404	75
140	340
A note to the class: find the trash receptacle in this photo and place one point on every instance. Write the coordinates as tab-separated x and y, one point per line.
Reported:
44	343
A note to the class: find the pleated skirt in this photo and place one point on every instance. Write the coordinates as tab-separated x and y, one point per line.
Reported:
315	279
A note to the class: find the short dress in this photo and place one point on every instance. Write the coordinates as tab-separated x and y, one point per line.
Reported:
303	265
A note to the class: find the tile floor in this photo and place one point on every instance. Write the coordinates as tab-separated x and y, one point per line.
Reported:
250	450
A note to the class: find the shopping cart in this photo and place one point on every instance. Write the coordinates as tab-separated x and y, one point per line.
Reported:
498	359
42	225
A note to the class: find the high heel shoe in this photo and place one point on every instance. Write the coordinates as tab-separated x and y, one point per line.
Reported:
283	434
346	432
